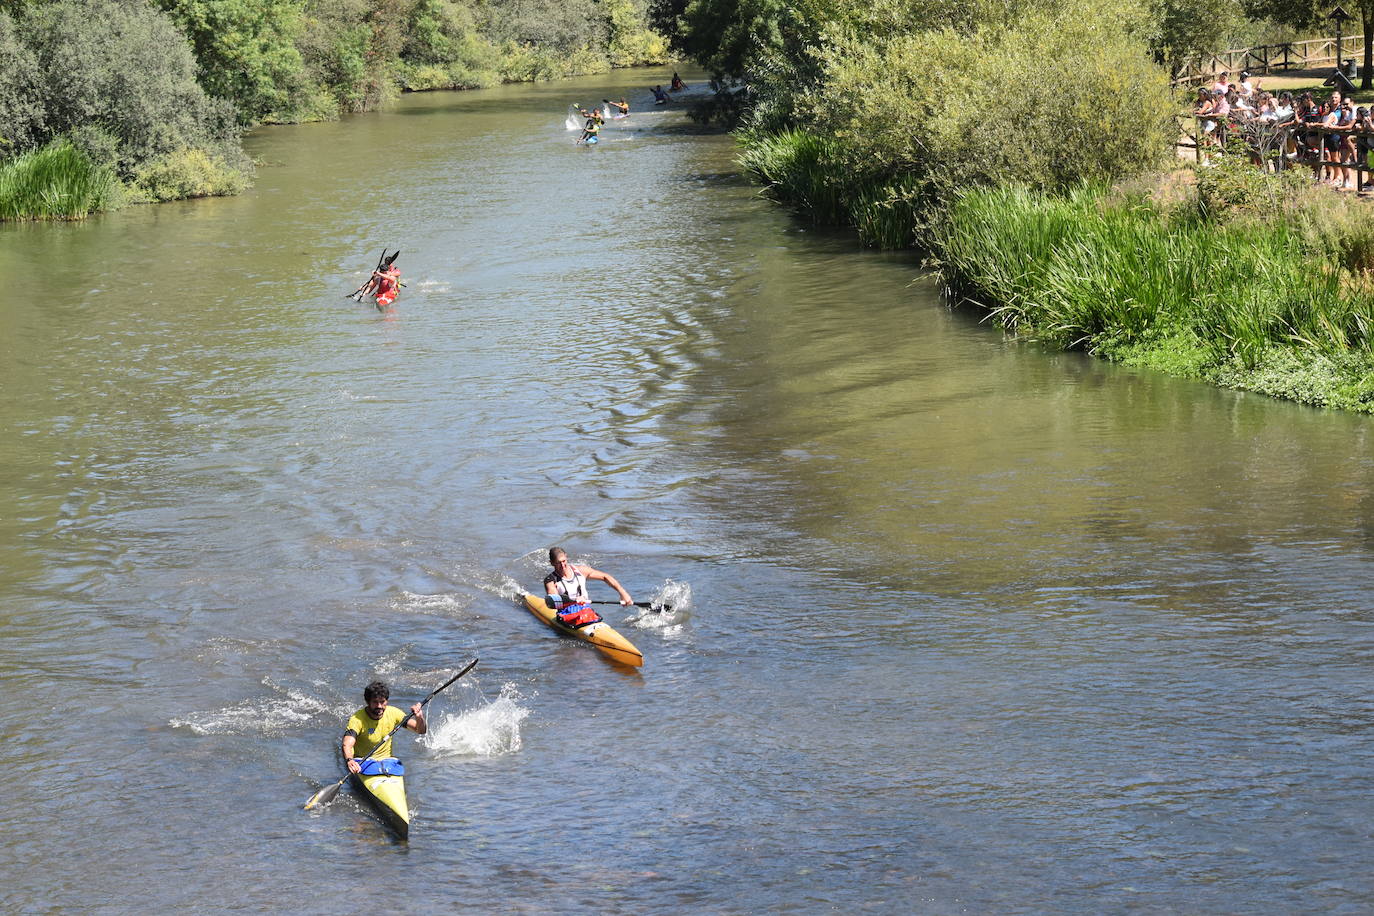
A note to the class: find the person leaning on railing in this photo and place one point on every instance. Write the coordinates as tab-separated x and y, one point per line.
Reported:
1346	154
1333	122
1221	108
1364	142
1203	110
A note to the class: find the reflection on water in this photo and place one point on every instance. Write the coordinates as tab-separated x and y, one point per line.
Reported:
958	624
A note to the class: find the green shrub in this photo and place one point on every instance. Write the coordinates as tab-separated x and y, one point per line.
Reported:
424	77
22	108
133	78
55	182
187	173
1231	187
1061	96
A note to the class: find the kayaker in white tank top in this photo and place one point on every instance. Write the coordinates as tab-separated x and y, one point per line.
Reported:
567	584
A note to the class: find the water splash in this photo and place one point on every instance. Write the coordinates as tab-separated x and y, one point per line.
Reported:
671	609
441	605
272	716
491	730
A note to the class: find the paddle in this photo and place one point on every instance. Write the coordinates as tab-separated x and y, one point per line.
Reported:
326	795
665	608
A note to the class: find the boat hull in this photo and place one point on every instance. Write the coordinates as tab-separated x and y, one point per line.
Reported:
387	796
601	635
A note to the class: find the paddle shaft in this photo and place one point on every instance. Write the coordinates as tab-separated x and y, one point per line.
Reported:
647	604
643	604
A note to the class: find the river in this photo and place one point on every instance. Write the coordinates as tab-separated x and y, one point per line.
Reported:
959	625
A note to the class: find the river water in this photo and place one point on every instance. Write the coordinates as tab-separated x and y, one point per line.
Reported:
959	625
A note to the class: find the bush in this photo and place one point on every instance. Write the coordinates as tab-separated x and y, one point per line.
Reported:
187	173
133	79
1059	97
1231	187
55	182
22	109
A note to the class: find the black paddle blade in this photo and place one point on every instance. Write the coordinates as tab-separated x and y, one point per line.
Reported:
390	260
325	795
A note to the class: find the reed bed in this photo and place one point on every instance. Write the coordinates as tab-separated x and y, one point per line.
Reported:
793	168
1126	280
55	182
1076	270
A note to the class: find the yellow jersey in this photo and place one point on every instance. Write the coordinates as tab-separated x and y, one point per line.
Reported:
368	731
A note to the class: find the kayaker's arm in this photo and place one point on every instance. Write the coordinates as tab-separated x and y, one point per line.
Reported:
416	722
597	575
350	739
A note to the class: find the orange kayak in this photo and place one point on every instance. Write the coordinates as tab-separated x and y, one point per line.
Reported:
602	635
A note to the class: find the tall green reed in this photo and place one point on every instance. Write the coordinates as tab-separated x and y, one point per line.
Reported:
1080	271
58	181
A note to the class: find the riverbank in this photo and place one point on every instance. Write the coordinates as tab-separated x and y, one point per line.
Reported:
161	95
1245	280
1281	307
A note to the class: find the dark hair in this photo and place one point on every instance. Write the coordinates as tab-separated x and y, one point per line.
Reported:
377	690
555	553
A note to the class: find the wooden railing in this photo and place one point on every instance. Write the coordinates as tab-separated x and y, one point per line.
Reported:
1291	55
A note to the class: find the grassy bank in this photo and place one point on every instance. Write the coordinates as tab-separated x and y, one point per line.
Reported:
55	182
1274	303
1249	281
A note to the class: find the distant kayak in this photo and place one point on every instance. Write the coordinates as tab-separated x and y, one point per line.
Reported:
601	634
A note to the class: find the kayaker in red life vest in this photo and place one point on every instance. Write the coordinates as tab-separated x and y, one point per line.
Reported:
373	722
566	589
388	285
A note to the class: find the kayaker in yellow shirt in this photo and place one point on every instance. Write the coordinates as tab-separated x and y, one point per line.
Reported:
374	723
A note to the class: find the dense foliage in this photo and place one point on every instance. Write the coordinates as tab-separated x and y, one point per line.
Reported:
1261	286
122	97
156	92
875	114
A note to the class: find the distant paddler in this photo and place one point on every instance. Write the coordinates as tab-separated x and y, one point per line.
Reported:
384	283
590	132
622	106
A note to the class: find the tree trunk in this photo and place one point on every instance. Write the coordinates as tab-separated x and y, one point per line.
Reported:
1367	20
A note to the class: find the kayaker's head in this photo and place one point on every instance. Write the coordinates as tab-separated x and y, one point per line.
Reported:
376	695
558	558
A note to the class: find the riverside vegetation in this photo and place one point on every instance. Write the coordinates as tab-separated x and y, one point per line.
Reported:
104	102
1027	151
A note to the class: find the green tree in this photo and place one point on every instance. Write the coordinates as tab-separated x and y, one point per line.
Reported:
132	80
1186	28
246	50
1306	14
22	110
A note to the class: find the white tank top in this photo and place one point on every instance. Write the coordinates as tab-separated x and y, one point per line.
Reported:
573	589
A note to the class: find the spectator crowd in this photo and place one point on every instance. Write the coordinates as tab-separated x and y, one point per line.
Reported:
1333	136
